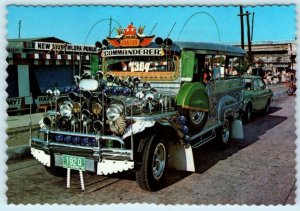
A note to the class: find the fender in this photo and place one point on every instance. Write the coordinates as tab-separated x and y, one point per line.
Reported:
193	95
245	103
180	155
246	98
227	105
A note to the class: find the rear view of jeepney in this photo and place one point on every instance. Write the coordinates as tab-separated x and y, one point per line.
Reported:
146	110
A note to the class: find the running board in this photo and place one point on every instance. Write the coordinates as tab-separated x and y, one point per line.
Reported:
204	136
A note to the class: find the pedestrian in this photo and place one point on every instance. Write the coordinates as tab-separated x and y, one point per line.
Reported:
287	79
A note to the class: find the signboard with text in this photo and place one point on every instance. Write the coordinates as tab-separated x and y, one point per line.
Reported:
133	52
58	47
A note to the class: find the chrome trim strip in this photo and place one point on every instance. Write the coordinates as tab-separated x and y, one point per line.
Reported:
152	117
105	151
38	140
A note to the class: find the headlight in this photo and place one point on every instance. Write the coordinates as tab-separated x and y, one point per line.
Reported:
76	107
65	109
56	92
96	108
114	111
98	126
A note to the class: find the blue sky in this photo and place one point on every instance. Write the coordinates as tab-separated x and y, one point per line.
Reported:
72	24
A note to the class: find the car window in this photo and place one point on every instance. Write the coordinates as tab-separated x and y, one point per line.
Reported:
256	85
247	83
259	84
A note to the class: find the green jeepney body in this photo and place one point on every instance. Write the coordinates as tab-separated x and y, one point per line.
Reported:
193	93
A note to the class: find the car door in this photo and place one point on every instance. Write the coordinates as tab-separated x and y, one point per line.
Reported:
263	93
256	104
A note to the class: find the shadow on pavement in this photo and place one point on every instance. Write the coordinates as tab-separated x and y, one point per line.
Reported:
209	154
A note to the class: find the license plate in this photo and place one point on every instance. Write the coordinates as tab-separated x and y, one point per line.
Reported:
74	162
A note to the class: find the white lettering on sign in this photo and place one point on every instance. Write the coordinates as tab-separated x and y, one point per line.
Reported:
139	66
133	52
14	101
43	99
64	46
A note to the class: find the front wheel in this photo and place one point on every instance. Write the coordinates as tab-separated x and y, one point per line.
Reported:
151	175
267	107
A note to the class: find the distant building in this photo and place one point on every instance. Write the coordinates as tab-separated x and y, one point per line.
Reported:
38	64
274	54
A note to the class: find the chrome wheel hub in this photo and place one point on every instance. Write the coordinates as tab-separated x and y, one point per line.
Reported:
196	116
159	161
226	131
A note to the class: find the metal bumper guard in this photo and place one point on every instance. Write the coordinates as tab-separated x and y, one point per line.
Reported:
109	160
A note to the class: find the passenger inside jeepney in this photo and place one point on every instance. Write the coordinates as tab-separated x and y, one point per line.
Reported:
206	76
201	71
216	72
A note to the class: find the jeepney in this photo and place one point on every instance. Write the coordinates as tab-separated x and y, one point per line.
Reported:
146	110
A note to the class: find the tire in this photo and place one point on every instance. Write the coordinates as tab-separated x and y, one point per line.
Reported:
56	171
224	133
267	107
247	113
195	119
151	175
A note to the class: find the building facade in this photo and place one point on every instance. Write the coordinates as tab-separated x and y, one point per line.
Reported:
38	64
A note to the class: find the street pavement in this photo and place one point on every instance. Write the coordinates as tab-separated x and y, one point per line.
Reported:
18	127
258	170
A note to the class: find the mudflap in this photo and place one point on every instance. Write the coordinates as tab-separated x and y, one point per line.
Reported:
181	157
237	129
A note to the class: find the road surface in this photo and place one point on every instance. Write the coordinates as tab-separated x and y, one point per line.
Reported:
257	170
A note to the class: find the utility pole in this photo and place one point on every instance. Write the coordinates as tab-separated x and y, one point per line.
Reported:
252	27
242	26
249	37
20	29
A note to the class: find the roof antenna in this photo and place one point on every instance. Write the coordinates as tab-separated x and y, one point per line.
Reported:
171	30
153	28
109	32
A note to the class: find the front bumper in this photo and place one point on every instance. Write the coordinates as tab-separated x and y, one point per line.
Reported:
102	160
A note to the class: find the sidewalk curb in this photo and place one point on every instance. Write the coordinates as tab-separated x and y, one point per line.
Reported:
12	131
18	152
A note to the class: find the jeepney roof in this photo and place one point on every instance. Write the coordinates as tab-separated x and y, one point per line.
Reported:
203	48
210	48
